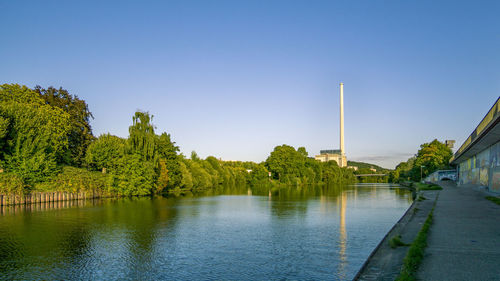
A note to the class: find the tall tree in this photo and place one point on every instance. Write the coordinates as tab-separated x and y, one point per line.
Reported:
142	135
285	163
431	157
168	153
36	133
80	134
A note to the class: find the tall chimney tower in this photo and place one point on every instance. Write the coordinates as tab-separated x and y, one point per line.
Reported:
342	151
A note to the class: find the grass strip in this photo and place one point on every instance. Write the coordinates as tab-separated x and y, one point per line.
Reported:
494	199
415	253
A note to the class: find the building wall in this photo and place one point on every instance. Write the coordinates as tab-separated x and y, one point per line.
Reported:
330	157
483	169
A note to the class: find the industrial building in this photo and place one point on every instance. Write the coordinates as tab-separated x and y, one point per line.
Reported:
478	159
332	154
337	155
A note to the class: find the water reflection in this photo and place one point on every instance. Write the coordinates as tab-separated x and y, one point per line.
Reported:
316	232
343	235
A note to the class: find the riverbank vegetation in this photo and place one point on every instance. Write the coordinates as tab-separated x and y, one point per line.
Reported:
430	157
47	144
396	242
415	254
494	199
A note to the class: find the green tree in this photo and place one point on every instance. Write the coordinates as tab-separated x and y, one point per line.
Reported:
186	177
201	178
194	156
302	151
168	152
134	176
142	136
163	178
106	152
285	163
432	156
36	134
80	134
331	172
259	175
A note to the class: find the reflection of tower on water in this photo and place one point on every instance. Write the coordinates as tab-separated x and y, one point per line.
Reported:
342	235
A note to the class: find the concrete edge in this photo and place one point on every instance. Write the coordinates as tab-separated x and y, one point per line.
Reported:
386	237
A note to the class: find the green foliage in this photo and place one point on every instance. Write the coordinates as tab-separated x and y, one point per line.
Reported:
331	172
402	172
363	165
421	198
366	169
19	94
144	163
80	132
186	177
302	151
396	242
105	152
31	164
162	180
11	183
37	134
415	254
4	128
45	136
259	175
431	157
494	199
291	166
167	151
73	179
201	178
133	176
142	138
194	156
285	163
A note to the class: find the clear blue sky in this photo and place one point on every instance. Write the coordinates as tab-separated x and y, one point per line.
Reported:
233	79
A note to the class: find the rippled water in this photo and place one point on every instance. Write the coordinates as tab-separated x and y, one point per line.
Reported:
312	233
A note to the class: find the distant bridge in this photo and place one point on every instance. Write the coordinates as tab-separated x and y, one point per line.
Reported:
371	175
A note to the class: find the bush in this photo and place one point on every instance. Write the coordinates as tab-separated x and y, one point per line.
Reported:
133	176
73	179
396	242
11	183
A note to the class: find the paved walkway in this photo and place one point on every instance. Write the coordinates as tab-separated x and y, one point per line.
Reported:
464	239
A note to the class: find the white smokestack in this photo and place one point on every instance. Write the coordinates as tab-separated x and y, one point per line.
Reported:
342	151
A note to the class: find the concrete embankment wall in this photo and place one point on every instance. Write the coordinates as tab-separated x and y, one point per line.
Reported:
47	197
385	262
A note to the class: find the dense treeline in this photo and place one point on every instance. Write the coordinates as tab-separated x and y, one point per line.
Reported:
291	166
367	169
430	157
46	144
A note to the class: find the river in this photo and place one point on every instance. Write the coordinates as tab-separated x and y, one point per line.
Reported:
313	233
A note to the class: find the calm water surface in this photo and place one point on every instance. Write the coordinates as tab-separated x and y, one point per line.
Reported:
314	233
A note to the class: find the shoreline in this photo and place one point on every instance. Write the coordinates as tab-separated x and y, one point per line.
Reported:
48	197
384	262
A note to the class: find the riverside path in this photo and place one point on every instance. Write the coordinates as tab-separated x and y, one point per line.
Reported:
464	239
